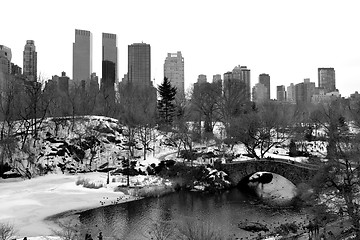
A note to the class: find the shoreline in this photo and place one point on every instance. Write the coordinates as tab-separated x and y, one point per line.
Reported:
34	205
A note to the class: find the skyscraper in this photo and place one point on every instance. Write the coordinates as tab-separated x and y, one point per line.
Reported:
304	91
259	93
242	73
109	65
139	64
280	93
174	71
265	80
30	60
82	56
326	79
5	59
202	79
217	78
290	97
109	53
5	65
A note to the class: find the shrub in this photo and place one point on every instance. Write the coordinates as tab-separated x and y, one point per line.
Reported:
88	184
192	230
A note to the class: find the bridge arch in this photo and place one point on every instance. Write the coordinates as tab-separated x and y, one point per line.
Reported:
295	172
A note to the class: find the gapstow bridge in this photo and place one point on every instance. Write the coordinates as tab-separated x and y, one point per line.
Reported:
295	172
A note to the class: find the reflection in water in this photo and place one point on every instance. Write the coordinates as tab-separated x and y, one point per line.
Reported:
133	220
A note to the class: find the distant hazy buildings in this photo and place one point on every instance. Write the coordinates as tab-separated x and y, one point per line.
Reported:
326	79
82	56
281	93
265	80
174	71
139	64
30	61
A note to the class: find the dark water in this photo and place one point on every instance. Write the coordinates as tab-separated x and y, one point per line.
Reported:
219	212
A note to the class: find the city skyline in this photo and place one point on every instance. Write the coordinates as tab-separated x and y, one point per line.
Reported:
289	41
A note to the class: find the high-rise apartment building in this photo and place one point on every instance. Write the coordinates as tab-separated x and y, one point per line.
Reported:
82	56
265	80
259	93
304	91
242	73
174	71
139	64
5	65
217	78
63	83
280	93
290	93
326	79
30	60
5	59
202	79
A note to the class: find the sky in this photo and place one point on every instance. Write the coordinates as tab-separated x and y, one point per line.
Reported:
289	40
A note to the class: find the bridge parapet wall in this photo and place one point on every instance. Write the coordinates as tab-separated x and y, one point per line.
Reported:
296	173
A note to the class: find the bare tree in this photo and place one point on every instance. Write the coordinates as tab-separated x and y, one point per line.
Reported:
262	128
205	100
70	229
137	105
7	231
233	102
342	170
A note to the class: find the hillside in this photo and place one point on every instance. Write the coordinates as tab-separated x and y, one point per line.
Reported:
64	144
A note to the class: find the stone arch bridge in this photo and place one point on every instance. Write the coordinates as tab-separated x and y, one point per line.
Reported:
294	171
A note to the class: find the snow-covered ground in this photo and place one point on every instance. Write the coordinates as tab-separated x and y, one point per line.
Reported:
26	203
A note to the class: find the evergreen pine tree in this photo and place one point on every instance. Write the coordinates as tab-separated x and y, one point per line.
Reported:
166	106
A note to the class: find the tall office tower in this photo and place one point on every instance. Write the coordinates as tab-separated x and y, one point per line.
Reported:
109	57
82	57
265	79
326	79
174	71
259	93
201	79
290	97
30	61
280	93
242	73
139	64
